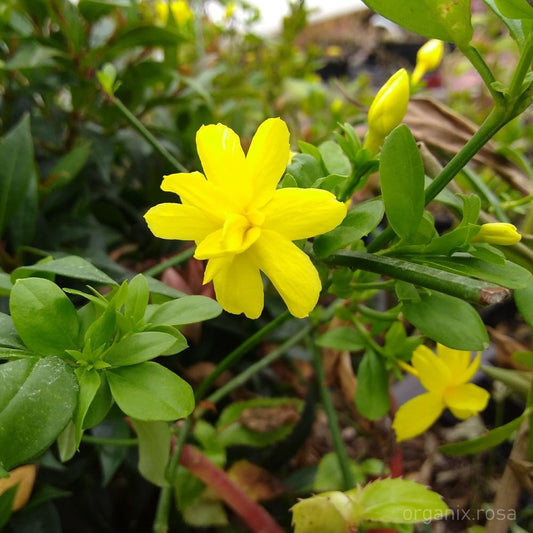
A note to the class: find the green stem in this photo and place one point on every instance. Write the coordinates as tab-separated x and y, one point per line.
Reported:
522	68
477	61
333	422
109	442
368	338
139	126
244	376
378	315
236	354
511	204
496	119
173	261
165	496
422	275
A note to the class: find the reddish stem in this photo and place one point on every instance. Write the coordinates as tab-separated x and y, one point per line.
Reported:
258	520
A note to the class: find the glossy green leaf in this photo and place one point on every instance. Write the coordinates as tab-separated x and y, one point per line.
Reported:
447	320
334	159
44	317
71	266
508	275
89	382
358	223
186	310
343	338
137	300
139	347
37	399
447	20
401	174
524	301
516	9
305	169
400	501
372	393
8	334
149	391
16	170
154	450
485	442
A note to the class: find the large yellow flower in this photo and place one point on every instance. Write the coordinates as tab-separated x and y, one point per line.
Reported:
242	224
445	376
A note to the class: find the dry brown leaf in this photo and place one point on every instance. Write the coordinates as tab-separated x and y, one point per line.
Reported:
265	419
24	476
444	131
258	483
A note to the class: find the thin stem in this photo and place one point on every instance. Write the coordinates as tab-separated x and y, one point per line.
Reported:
236	354
511	204
165	496
477	61
169	263
244	376
333	422
368	338
139	126
109	442
522	68
378	315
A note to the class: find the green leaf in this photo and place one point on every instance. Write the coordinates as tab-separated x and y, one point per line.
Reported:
139	347
66	442
329	474
305	169
5	284
6	503
149	391
519	29
489	440
372	393
143	36
137	300
447	20
100	405
37	399
508	275
16	170
68	167
71	266
328	512
447	320
358	223
342	339
158	287
102	330
400	501
401	173
154	450
8	333
524	301
186	310
89	382
233	429
334	159
32	55
44	317
515	9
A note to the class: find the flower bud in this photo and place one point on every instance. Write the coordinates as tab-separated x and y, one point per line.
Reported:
428	58
387	110
498	233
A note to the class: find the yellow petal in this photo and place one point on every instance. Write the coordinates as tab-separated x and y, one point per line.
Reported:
267	159
456	360
466	400
302	213
195	190
290	270
218	244
417	415
214	266
239	287
469	373
433	373
181	222
223	160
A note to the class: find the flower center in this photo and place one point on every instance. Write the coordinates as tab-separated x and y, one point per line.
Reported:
241	231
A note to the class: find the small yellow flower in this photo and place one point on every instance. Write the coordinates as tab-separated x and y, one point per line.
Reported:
230	10
428	58
445	376
498	233
180	11
242	224
387	110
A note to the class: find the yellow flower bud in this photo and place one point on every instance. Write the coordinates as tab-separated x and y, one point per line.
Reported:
180	11
428	58
498	233
387	109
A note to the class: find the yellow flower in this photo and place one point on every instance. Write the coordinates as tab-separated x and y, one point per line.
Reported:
180	11
387	110
242	224
428	58
445	376
498	233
